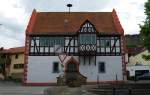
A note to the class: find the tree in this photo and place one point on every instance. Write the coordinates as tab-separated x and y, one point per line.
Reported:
145	29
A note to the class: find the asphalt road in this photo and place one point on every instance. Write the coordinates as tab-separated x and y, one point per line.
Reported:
9	88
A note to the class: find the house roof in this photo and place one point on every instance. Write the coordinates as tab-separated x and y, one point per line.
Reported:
13	50
69	23
136	50
133	40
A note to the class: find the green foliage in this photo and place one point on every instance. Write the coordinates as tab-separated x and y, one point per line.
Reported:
131	46
146	57
145	29
132	78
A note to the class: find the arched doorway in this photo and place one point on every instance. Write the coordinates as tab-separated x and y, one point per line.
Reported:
71	67
71	71
72	74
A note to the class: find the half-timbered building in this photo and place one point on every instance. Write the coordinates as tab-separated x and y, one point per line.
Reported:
90	44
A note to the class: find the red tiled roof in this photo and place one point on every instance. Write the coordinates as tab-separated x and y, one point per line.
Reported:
55	22
13	50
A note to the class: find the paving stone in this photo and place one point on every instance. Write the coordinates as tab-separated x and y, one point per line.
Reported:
67	91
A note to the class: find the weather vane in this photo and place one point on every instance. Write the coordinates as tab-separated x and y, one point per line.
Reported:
69	5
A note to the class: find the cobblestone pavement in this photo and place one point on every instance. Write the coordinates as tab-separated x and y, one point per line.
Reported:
10	88
76	91
64	90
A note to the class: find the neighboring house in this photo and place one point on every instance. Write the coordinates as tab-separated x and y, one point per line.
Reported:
137	65
137	59
133	41
92	45
16	63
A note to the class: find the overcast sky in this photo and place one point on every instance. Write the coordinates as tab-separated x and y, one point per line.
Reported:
15	14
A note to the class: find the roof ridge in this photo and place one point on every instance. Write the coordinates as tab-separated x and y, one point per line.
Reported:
17	47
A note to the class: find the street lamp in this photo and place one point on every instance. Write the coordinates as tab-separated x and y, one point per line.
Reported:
69	5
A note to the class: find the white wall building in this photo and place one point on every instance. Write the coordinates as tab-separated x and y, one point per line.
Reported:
137	65
92	41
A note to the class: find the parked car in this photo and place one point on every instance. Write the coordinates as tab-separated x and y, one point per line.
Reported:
145	76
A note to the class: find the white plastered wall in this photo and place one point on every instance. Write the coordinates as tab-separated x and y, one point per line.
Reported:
113	66
40	69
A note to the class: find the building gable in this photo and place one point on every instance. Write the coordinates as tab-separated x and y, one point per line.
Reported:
87	26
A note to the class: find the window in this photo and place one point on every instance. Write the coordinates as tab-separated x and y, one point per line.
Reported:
107	43
102	43
101	67
18	66
16	56
3	56
51	41
56	67
87	38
